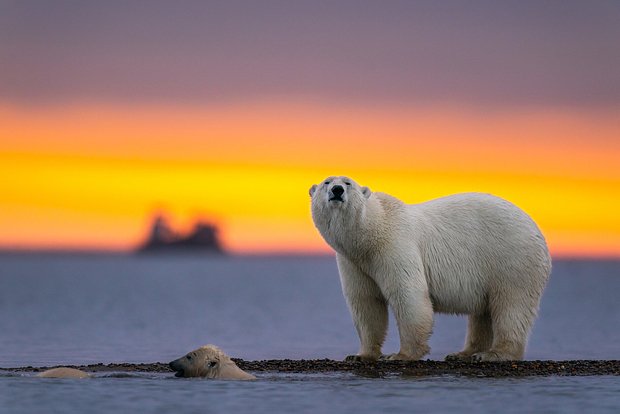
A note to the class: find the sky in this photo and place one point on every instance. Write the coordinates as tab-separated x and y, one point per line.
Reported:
228	111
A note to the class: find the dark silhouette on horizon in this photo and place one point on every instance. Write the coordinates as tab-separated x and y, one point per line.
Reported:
204	238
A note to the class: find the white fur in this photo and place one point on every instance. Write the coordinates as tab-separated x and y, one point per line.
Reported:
473	254
63	372
208	362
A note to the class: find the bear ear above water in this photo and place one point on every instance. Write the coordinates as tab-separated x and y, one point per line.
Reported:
366	192
312	190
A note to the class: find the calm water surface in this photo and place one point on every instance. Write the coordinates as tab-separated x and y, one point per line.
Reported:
89	309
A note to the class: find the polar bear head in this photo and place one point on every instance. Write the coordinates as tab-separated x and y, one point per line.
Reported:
208	362
339	208
337	193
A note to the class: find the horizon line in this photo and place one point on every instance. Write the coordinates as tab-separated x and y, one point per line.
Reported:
229	254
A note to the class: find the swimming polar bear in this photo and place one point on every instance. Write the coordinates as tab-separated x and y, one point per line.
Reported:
472	253
63	372
208	362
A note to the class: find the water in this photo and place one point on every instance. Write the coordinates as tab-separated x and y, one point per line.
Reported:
310	394
89	309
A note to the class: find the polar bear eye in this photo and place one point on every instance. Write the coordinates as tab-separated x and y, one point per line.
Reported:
327	182
189	357
347	183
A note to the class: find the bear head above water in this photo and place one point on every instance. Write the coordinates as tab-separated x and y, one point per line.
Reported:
208	362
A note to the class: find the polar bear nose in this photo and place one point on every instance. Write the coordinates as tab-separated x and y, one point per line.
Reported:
338	190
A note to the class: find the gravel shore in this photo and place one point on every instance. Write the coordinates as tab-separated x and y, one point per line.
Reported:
385	368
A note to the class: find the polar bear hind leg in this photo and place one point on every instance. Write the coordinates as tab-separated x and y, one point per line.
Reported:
479	337
512	317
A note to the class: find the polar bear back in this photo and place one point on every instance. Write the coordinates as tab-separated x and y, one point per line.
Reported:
473	245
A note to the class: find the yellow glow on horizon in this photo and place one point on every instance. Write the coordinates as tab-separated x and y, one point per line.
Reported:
90	177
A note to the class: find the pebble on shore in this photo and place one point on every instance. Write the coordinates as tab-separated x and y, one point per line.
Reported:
383	368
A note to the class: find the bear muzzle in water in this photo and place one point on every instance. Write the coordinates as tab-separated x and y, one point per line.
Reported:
177	367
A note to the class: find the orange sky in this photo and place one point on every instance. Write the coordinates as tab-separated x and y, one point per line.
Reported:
90	176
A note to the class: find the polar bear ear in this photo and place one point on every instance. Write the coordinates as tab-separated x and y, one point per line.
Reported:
312	190
366	191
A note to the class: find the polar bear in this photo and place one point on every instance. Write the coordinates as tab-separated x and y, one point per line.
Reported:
63	372
472	253
209	362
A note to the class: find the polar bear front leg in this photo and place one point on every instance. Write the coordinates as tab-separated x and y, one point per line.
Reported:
368	309
413	312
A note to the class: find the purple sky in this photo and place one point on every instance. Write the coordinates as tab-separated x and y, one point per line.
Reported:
468	53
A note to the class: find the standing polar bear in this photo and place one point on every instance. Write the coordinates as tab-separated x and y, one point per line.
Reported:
472	254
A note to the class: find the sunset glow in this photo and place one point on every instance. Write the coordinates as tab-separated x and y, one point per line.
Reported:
112	112
90	177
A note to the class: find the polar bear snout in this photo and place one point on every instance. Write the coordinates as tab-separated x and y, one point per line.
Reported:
336	193
177	367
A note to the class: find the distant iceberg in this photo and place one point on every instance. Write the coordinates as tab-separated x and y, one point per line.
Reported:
204	238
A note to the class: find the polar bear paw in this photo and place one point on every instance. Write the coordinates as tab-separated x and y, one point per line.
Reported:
398	357
459	356
489	356
361	358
